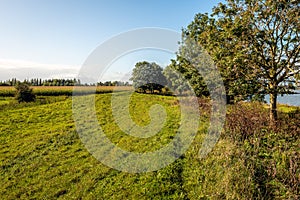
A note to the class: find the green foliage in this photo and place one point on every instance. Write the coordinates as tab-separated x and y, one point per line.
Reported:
175	81
148	77
220	38
24	93
182	77
255	45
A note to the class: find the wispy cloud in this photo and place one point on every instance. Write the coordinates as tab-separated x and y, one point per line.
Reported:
116	76
22	69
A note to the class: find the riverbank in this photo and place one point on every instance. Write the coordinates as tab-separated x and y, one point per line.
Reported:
289	99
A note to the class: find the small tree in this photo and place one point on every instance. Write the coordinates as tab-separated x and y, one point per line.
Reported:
24	93
148	77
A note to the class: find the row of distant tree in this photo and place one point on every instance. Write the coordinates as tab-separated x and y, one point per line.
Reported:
41	82
59	82
114	83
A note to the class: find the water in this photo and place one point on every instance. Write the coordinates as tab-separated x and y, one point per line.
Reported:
291	99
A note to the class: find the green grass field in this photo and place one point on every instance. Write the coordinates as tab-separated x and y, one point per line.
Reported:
42	157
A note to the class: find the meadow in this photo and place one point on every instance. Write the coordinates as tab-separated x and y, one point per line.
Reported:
42	156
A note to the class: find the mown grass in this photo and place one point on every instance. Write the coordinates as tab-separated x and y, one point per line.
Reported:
42	156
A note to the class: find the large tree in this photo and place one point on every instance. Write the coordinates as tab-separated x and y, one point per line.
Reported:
148	77
255	44
221	39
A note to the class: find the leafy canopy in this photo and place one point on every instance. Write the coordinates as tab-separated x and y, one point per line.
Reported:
255	44
148	77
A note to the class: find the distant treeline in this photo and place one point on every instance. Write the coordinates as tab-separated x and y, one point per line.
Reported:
59	82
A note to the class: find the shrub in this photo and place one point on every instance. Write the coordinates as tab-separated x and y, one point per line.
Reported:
24	93
271	154
244	120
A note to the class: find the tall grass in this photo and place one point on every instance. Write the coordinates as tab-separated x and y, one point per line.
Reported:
272	155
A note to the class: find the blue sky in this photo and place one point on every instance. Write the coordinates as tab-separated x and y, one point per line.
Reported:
48	38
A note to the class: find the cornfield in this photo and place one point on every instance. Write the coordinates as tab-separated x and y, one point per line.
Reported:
63	90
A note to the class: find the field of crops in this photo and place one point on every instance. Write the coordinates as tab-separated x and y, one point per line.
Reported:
61	90
42	156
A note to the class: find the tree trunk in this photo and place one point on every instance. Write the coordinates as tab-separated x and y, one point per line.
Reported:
273	109
229	99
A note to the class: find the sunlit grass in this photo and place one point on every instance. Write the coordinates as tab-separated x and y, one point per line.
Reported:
42	157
